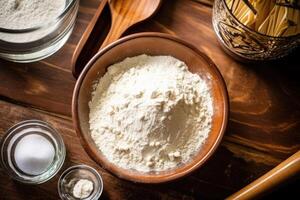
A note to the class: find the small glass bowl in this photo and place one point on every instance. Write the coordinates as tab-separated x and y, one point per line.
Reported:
36	43
73	174
245	44
15	134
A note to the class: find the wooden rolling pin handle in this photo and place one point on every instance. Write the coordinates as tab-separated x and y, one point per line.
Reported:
273	178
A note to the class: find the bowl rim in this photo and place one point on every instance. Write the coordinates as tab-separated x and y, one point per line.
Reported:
140	178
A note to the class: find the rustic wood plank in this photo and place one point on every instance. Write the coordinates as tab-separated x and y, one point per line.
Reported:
115	188
221	175
38	85
216	179
264	110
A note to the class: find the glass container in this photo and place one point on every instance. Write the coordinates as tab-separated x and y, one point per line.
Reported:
245	44
19	131
75	173
36	43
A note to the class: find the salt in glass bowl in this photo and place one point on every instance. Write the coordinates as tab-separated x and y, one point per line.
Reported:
21	130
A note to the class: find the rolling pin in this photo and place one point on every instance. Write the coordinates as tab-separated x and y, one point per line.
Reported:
281	173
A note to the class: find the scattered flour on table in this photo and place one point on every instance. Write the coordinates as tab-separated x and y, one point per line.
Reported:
149	113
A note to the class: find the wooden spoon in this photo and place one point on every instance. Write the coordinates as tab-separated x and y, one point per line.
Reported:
280	174
124	13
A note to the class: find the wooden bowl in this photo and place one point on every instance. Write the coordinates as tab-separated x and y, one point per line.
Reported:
151	44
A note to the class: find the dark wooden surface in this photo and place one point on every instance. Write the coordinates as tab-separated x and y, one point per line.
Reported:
262	131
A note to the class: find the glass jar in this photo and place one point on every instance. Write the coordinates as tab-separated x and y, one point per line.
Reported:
36	43
69	178
11	141
245	44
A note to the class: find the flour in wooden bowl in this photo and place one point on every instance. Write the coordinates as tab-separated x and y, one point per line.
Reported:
149	113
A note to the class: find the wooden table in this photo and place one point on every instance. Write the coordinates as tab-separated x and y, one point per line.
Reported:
262	131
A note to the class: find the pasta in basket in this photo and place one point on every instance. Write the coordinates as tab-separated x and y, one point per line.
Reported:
270	17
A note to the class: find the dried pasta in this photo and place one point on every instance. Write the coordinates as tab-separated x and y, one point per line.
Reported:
270	17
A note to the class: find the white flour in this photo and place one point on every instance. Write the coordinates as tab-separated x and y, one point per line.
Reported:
149	113
22	14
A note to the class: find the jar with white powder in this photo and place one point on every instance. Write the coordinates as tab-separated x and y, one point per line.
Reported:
31	30
80	182
32	152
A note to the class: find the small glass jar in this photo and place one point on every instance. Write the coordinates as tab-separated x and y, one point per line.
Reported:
36	43
18	132
69	178
245	44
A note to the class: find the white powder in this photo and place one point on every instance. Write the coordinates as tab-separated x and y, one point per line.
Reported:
149	113
83	188
34	154
22	14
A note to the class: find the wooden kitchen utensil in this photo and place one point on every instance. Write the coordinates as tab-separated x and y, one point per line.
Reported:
124	14
285	170
84	42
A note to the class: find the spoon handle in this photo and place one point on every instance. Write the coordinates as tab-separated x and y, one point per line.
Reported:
76	67
118	27
285	170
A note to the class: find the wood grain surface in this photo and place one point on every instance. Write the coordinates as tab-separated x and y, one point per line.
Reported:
263	129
